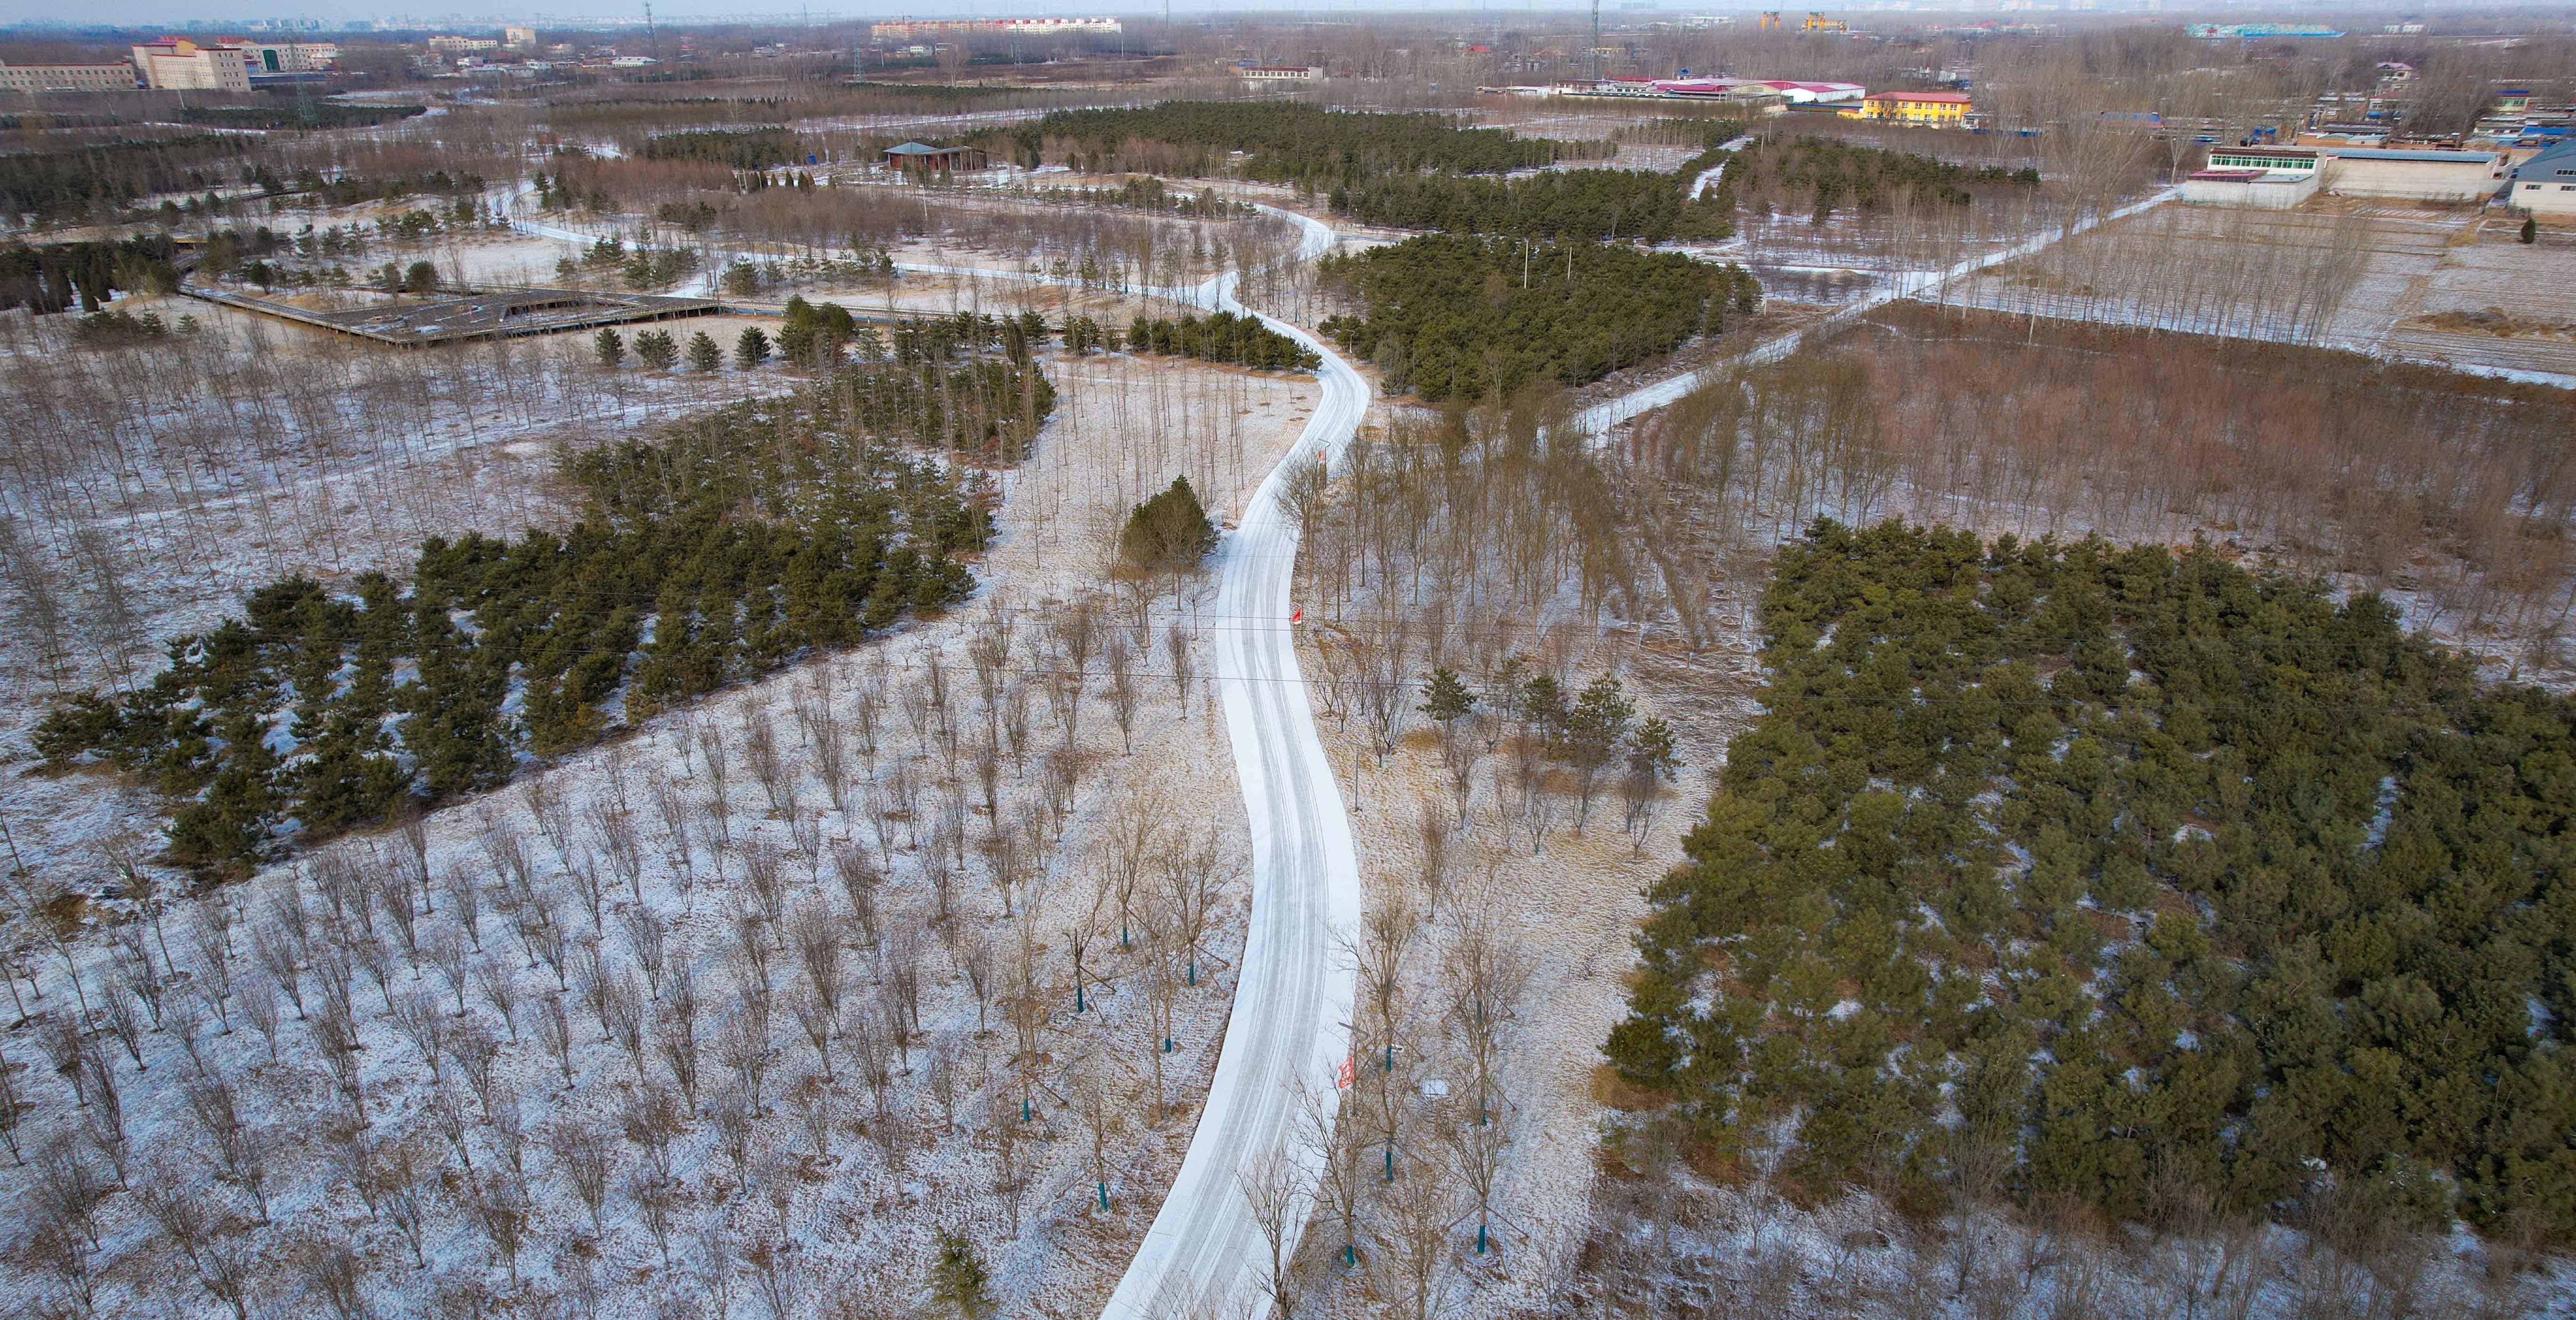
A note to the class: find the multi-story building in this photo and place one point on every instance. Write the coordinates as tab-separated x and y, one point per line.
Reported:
285	56
1929	109
36	79
519	38
178	64
1270	73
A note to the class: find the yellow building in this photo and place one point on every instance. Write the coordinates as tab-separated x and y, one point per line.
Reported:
1819	23
1930	109
1770	20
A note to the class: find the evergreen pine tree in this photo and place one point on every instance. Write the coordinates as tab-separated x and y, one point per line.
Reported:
703	353
1169	532
1445	697
751	349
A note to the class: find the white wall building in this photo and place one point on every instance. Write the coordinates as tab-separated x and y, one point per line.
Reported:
36	79
2421	176
2546	183
176	63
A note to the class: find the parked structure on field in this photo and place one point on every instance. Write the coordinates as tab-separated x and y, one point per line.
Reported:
922	156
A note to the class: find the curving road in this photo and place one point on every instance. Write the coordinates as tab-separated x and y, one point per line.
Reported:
1289	1031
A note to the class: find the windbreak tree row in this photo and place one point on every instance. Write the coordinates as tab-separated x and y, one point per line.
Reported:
1452	316
1283	143
1822	174
737	148
1242	341
714	552
2102	877
1639	205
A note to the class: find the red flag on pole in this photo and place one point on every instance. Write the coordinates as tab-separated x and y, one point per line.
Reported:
1297	615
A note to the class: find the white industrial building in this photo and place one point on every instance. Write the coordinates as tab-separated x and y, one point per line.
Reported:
2546	183
2275	177
2419	176
2264	190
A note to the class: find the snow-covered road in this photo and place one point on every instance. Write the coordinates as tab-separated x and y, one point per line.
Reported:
1598	419
1289	1031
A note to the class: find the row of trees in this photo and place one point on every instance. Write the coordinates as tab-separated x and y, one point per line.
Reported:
1451	316
1146	194
735	148
351	189
1283	142
729	551
2164	874
97	180
1220	337
1820	174
1639	205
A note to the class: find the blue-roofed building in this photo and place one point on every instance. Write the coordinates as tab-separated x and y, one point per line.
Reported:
2546	183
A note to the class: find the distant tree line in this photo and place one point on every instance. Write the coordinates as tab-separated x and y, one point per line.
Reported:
349	190
738	148
1823	174
73	183
716	551
2123	879
309	114
1286	142
1452	316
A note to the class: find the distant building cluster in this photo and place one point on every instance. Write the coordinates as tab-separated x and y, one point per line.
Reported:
221	64
1277	73
949	29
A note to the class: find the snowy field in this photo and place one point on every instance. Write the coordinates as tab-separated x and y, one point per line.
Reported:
2363	277
725	1012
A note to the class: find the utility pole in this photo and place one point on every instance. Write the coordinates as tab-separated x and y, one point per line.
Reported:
1596	38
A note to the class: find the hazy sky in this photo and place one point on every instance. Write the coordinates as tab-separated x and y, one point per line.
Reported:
144	13
149	12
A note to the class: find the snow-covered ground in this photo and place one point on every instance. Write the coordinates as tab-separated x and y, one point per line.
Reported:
840	1187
